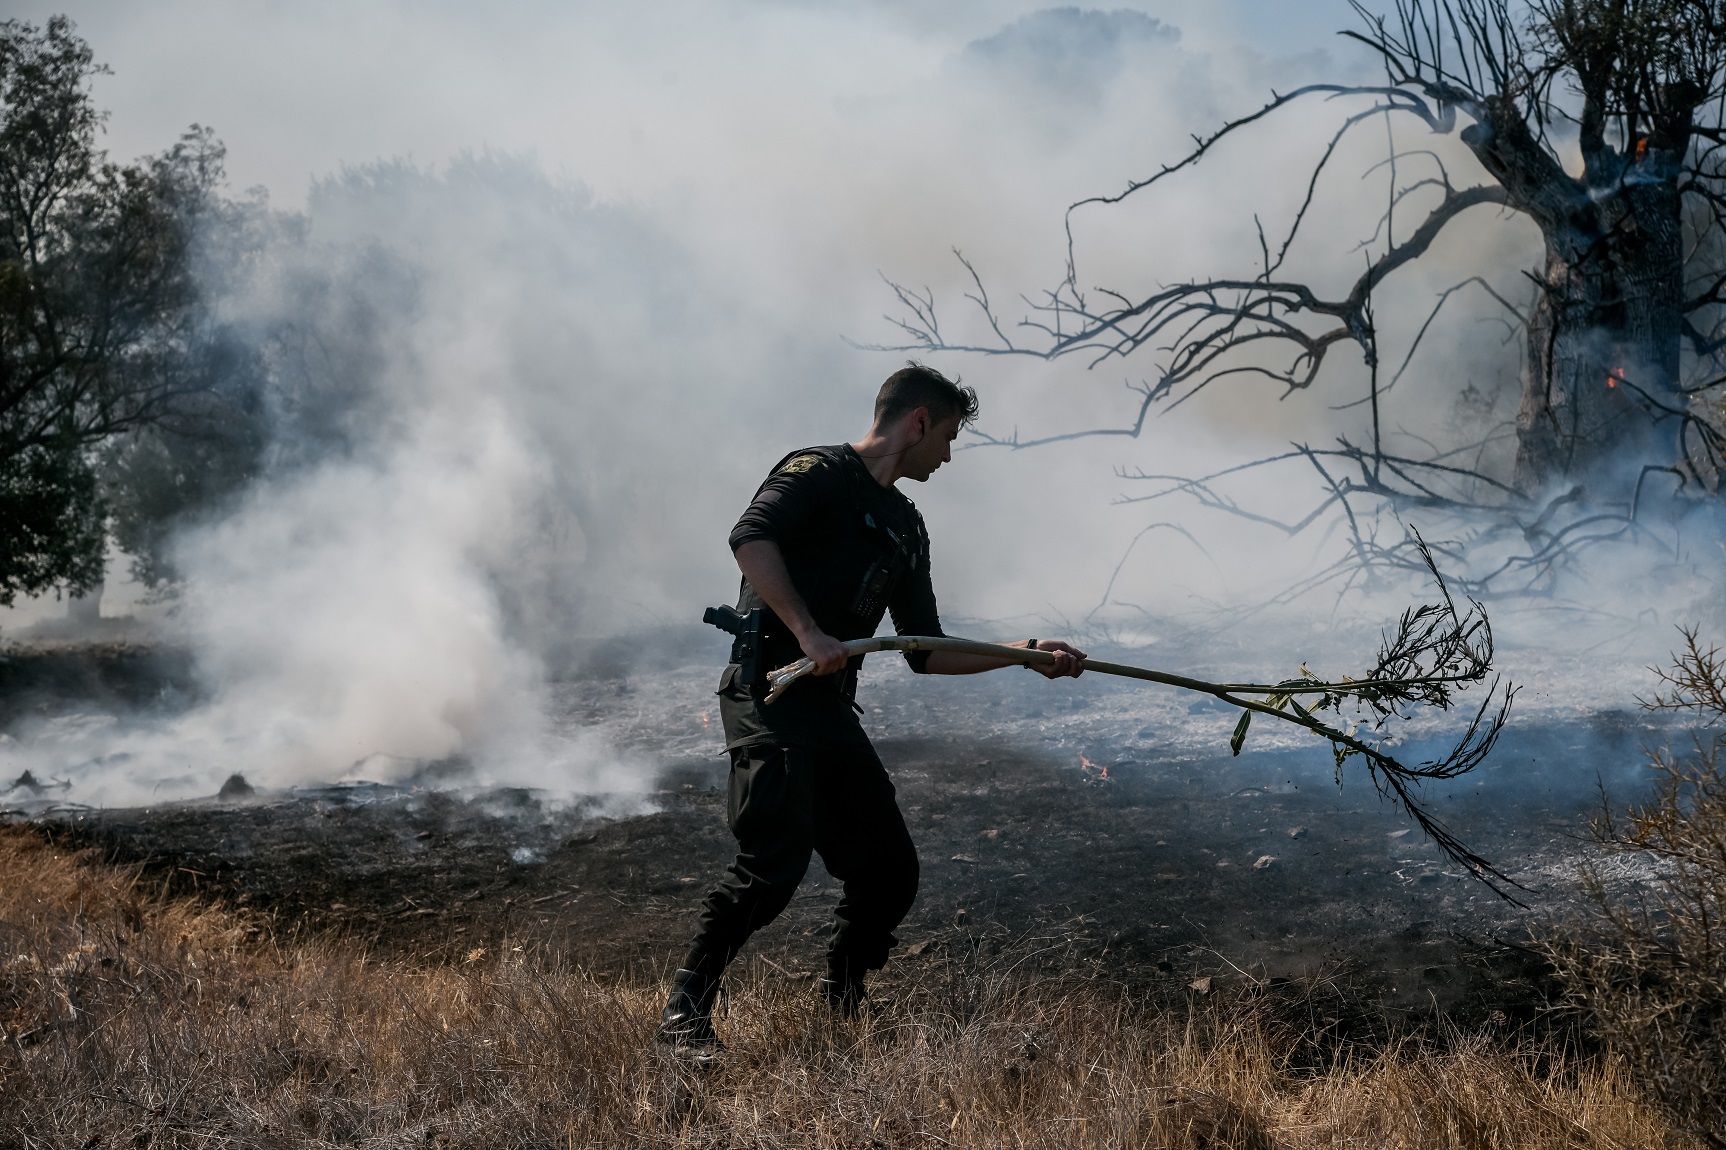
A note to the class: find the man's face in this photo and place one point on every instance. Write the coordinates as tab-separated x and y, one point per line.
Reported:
935	448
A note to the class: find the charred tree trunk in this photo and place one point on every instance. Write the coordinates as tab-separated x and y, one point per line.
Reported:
1603	341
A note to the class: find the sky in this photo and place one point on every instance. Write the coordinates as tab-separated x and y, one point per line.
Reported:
644	242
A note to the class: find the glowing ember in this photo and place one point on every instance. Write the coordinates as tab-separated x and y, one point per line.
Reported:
1641	149
1614	376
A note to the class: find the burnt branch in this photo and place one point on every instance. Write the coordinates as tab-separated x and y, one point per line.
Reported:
1147	396
1422	481
1210	329
1529	541
1435	652
1397	99
1701	444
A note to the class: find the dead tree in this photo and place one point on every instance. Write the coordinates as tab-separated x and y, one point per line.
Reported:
1625	333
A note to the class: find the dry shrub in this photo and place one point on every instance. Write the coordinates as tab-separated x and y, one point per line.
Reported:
1650	967
135	1021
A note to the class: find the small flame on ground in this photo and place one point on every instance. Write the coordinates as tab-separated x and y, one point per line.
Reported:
1614	376
1088	767
705	720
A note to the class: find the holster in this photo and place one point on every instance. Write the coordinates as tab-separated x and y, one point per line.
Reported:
759	646
746	645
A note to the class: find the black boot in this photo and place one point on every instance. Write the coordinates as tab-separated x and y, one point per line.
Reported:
687	1022
842	990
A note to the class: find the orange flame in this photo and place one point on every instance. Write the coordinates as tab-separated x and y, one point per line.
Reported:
1087	765
1641	149
704	720
1614	376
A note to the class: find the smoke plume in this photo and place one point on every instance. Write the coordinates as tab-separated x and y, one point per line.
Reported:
610	287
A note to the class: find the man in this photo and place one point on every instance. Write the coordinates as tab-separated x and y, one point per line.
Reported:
826	548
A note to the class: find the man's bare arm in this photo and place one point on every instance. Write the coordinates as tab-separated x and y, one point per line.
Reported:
1069	660
763	564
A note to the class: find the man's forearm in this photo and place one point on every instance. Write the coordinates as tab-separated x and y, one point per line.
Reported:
763	564
1069	660
955	663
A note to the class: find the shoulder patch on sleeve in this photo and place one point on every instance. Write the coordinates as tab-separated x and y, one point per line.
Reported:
802	463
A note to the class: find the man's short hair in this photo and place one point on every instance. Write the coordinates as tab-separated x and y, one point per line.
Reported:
914	386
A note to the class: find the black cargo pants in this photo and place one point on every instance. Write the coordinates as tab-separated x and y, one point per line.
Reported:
805	779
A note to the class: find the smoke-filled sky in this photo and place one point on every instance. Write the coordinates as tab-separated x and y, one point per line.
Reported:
632	100
636	236
757	166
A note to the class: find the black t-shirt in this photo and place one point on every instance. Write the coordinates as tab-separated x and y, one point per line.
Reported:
855	550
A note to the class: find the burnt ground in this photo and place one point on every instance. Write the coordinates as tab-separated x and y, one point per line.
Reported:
1144	873
122	674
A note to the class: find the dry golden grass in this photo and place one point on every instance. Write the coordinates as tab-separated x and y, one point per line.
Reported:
133	1021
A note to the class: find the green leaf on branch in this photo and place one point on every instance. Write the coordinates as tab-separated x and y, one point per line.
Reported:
1240	735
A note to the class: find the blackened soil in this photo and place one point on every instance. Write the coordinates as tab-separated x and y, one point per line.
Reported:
44	679
1159	874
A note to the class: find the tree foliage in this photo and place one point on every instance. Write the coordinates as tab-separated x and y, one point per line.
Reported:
287	346
96	295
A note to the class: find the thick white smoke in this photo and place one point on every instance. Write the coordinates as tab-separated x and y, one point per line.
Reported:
397	643
626	312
